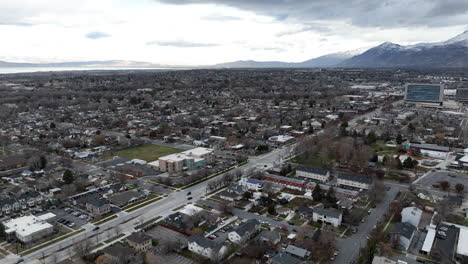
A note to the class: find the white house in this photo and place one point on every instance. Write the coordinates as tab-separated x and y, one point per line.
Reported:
411	215
355	181
317	174
244	231
330	216
207	248
403	233
251	184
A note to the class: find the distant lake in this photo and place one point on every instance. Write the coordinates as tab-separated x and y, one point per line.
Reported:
6	70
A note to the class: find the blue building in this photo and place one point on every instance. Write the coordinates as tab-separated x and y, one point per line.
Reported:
426	93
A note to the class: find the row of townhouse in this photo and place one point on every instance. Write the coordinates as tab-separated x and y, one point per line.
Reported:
22	202
346	180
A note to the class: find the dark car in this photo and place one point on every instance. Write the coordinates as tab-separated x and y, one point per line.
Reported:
190	198
189	193
96	228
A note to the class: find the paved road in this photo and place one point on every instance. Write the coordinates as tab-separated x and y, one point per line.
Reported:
349	247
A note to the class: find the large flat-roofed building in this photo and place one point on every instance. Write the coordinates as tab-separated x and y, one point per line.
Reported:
426	150
424	93
187	160
29	228
462	94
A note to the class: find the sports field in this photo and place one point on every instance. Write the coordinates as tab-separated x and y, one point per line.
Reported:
148	152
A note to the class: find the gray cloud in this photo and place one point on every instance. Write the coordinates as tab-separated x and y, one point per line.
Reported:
97	35
181	44
363	13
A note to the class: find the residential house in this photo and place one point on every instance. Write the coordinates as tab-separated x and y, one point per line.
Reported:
244	231
305	212
330	216
127	197
251	184
403	233
119	253
140	241
267	237
234	192
411	215
203	246
97	206
177	220
297	252
284	258
317	174
354	181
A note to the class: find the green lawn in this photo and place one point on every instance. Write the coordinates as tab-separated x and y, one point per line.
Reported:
148	152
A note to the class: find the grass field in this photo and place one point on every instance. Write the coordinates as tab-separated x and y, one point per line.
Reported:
148	152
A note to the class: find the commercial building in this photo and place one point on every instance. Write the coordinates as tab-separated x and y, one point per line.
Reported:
188	160
317	174
426	150
29	228
424	93
462	94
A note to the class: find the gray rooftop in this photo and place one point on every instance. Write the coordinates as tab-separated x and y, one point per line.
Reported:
327	212
357	178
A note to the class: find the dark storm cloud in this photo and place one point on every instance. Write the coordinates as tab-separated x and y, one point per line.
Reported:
97	35
181	44
363	13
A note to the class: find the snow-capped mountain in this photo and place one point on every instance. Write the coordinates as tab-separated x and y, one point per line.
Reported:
325	61
452	53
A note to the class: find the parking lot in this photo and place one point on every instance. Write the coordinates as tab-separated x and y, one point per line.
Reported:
435	177
71	218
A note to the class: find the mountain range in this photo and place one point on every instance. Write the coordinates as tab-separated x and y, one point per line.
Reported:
452	53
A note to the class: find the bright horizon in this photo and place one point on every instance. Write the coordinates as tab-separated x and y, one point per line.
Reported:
191	32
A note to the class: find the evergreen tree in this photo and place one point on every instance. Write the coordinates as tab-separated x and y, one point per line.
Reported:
408	163
68	177
399	139
43	162
330	197
317	193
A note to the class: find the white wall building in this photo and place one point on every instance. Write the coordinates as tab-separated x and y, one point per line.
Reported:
317	174
208	248
411	215
29	228
332	217
355	181
251	184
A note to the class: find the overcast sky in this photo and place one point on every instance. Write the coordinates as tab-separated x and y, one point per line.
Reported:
203	32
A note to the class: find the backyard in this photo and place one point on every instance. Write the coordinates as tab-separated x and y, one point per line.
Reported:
147	152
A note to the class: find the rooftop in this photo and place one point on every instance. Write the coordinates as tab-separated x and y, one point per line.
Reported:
313	170
29	224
